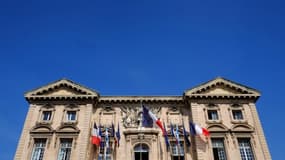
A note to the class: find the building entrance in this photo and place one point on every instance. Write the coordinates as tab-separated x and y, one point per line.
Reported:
141	152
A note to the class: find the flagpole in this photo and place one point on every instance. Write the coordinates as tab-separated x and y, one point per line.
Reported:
105	146
178	141
140	125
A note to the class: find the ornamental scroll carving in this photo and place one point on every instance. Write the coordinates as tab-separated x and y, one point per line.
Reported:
132	115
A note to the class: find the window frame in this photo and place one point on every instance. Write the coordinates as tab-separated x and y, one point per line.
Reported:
234	116
109	154
65	115
237	107
173	144
209	111
49	116
60	147
225	147
212	107
70	116
34	147
249	139
46	108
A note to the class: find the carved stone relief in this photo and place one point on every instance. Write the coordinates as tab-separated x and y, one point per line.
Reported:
132	115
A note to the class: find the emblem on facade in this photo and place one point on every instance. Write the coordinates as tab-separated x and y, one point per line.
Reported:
132	115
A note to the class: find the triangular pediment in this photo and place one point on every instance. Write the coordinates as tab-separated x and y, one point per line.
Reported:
61	88
220	87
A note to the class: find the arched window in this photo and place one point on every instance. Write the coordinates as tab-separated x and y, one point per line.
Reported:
141	152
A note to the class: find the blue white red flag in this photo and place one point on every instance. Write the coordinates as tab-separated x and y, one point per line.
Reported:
149	118
197	130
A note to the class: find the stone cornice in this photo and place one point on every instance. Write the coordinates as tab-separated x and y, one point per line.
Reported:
74	97
137	99
223	96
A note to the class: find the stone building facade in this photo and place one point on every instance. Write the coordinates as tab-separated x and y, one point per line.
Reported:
61	115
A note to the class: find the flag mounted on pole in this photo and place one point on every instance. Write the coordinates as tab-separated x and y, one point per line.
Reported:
187	141
149	118
197	130
166	137
113	130
176	135
106	137
106	143
96	138
100	134
118	136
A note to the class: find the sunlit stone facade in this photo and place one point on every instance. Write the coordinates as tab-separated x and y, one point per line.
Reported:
61	115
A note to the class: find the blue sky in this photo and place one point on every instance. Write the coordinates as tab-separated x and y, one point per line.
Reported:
149	47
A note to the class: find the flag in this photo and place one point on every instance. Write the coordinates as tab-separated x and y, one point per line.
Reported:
165	137
100	134
171	129
176	134
113	130
106	138
187	141
118	136
106	142
197	130
96	138
149	118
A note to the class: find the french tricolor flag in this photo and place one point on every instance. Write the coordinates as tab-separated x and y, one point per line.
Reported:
197	130
149	118
96	138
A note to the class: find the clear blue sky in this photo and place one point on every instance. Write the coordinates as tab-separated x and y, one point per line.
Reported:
150	47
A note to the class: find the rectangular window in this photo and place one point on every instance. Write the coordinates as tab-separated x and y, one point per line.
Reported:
245	149
65	149
237	114
71	115
218	149
213	115
39	149
46	115
177	151
105	152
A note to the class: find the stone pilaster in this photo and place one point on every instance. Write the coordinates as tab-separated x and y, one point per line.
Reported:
200	144
25	135
85	132
259	132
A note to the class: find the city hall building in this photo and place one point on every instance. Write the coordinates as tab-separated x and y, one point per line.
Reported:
62	114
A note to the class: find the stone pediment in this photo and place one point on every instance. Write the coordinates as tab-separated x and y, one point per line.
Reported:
217	128
221	88
61	89
242	128
65	128
42	129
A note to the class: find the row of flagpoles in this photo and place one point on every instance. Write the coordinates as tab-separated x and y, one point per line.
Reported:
194	130
97	135
148	120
